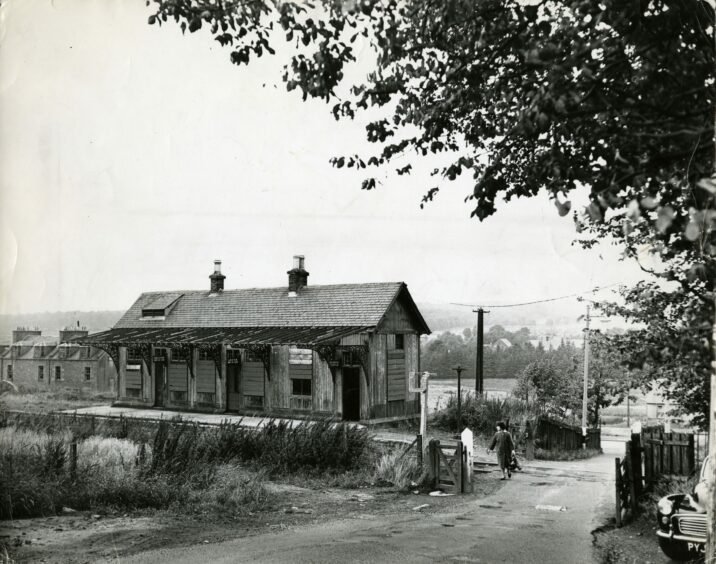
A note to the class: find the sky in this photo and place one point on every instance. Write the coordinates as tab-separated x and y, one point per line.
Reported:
131	157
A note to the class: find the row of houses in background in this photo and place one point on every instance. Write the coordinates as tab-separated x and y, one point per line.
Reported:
35	361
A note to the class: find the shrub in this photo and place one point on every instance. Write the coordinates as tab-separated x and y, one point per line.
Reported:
398	468
233	491
481	414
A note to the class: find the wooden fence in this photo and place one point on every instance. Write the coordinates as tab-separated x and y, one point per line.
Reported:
667	454
649	456
557	435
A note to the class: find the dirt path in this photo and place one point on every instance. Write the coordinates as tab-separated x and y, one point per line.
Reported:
521	523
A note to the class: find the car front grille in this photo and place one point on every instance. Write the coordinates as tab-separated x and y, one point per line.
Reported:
693	525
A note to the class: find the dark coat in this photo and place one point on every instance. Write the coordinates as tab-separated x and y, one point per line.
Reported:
505	445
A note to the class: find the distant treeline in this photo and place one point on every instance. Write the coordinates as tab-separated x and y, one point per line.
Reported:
501	359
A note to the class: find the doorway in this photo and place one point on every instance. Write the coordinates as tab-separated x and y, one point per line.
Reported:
233	384
351	394
160	375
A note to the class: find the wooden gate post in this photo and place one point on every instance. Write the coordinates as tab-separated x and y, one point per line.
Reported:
434	462
419	450
630	478
459	457
636	463
618	487
690	456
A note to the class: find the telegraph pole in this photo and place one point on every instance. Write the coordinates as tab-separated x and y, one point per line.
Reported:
586	379
479	381
459	369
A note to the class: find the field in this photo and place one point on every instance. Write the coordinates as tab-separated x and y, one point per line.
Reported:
441	390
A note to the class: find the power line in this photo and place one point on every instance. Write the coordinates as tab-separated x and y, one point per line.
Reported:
592	291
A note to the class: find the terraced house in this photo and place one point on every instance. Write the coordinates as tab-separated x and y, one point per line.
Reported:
343	350
36	362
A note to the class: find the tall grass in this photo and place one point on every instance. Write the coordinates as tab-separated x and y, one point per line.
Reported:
183	464
398	468
481	414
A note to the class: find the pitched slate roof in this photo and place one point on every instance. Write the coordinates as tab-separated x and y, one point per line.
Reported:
340	305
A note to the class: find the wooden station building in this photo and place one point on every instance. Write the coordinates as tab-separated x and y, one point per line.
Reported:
343	350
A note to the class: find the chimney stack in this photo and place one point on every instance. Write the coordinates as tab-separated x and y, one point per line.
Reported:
297	276
24	332
217	279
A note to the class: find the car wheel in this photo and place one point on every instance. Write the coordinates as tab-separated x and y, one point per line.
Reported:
676	550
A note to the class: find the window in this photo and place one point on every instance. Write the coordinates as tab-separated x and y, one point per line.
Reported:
133	355
400	342
58	373
88	373
40	373
179	355
9	371
301	387
205	354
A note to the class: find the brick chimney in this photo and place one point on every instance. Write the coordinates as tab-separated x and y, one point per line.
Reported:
217	279
69	333
297	276
24	332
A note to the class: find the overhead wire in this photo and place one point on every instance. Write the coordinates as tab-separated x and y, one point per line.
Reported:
592	291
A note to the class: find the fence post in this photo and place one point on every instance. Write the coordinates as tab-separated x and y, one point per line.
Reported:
73	460
690	456
419	449
459	452
630	479
618	487
636	463
433	462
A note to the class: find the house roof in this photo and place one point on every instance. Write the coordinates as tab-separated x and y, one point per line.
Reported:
340	305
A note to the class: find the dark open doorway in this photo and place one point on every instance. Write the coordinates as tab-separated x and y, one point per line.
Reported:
160	370
351	394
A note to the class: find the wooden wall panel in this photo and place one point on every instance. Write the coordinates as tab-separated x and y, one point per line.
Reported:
252	378
134	379
397	319
178	376
396	380
322	385
206	376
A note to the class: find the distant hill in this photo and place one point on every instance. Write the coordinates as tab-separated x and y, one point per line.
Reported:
51	322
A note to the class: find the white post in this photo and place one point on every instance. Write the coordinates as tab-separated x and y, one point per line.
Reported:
586	379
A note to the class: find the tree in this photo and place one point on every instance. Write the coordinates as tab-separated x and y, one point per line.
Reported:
615	96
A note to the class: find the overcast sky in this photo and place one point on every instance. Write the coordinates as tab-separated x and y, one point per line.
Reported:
132	156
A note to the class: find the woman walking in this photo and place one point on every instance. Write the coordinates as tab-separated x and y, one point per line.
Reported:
505	449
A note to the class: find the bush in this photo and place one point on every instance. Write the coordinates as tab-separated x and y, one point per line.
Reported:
234	491
398	468
481	414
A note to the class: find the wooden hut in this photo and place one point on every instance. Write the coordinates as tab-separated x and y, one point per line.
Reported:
343	350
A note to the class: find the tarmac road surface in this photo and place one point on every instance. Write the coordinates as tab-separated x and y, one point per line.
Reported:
544	514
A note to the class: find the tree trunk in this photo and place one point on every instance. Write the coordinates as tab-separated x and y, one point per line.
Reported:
711	506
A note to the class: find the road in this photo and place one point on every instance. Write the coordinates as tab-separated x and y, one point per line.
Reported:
544	514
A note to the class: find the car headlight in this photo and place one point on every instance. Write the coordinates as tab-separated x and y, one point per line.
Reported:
665	506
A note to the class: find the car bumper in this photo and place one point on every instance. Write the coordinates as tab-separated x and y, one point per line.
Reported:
684	538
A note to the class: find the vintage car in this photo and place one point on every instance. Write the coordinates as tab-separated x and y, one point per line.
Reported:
682	521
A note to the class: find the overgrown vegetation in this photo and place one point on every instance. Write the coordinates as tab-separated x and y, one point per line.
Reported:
481	414
43	401
186	466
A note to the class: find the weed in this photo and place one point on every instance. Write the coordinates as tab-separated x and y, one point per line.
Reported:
398	468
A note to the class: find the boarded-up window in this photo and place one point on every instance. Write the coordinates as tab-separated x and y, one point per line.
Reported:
252	382
205	381
396	375
300	371
177	379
